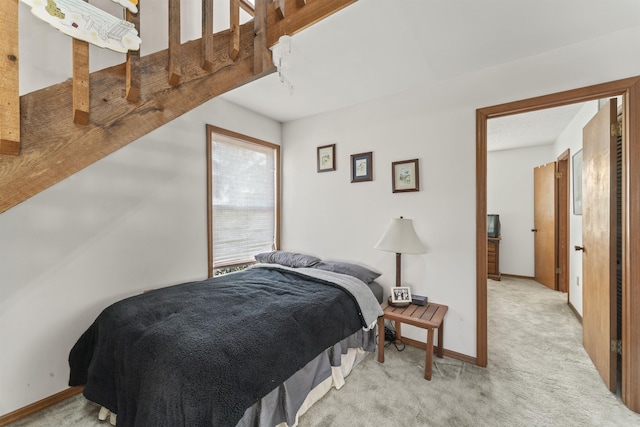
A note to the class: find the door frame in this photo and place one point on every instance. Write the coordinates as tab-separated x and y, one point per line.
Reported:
563	221
629	89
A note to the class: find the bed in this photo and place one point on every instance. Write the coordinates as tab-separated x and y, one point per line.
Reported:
252	348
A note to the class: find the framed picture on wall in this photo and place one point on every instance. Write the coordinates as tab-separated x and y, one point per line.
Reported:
362	167
577	183
327	158
405	176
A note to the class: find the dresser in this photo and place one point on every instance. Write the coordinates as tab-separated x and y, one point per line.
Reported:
493	258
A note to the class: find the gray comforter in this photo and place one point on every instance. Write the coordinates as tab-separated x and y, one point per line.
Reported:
201	353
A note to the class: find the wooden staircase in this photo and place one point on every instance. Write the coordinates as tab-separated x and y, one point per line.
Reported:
68	126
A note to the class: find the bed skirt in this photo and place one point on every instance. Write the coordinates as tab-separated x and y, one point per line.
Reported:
284	405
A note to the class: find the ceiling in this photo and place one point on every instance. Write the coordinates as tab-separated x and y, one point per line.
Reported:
523	130
375	48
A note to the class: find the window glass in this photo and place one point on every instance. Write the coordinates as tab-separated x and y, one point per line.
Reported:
243	196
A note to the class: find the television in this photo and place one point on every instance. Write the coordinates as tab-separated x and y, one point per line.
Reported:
493	225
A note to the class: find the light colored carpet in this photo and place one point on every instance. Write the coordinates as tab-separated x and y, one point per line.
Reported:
538	375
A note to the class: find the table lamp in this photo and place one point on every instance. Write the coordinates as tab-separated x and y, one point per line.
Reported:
401	238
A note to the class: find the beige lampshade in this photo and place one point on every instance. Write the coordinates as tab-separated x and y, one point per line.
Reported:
400	237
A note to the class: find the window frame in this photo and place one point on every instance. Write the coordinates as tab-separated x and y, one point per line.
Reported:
211	130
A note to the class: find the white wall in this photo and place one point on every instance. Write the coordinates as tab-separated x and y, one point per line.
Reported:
133	221
326	215
510	194
341	220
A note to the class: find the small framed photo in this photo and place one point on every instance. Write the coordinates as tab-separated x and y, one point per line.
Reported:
327	158
405	176
401	295
362	167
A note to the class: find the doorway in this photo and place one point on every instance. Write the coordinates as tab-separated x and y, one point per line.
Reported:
528	185
630	91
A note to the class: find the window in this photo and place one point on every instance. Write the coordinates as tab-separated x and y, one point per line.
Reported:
243	176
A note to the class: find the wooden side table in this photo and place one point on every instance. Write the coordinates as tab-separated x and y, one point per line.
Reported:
429	317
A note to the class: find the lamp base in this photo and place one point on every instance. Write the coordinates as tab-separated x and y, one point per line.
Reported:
397	304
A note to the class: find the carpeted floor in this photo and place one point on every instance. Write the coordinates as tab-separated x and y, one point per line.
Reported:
538	375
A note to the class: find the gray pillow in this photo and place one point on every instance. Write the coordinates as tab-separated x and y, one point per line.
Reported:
376	288
355	270
289	259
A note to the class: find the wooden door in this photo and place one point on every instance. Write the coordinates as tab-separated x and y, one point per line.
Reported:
544	228
598	241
